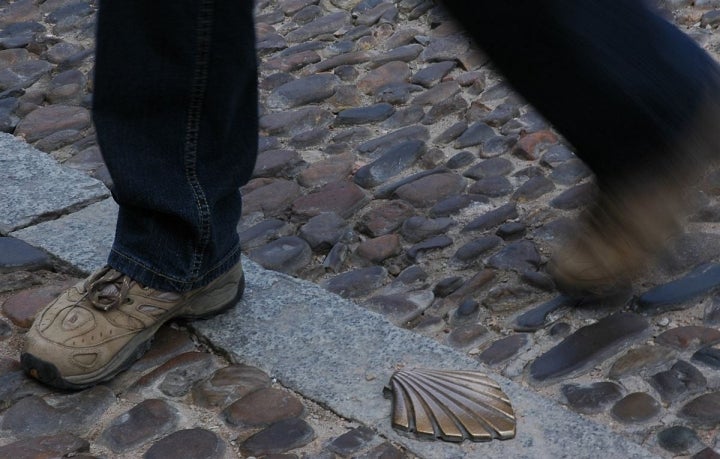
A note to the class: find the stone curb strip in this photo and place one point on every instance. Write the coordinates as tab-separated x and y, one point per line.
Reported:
325	347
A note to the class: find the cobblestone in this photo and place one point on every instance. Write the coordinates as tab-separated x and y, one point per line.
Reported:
378	118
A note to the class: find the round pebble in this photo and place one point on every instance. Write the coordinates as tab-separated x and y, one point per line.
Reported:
637	407
191	443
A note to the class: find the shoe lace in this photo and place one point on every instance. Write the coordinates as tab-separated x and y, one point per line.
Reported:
107	288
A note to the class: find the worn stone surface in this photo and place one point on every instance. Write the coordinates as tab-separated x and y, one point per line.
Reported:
150	419
637	407
588	345
16	255
679	382
263	407
703	410
34	185
188	443
593	398
279	437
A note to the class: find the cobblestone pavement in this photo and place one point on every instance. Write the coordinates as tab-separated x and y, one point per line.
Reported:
396	169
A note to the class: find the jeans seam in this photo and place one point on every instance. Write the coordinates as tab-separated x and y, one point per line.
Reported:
154	272
192	132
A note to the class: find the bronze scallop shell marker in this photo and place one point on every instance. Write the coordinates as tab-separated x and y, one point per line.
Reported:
451	405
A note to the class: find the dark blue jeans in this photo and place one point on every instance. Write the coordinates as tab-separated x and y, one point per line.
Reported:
623	85
175	107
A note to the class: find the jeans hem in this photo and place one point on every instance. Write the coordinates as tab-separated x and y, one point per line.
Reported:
152	277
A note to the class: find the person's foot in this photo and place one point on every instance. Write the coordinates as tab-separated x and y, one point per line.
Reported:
102	325
617	237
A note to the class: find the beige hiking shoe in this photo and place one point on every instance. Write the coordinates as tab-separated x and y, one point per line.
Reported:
102	325
617	238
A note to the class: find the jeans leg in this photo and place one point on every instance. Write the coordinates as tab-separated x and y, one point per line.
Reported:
175	107
617	80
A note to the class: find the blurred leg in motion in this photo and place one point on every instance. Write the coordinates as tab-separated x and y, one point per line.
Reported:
638	100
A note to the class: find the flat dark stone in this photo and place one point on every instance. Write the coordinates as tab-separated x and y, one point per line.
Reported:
678	382
588	346
467	335
497	146
503	349
229	384
16	255
494	186
74	413
357	283
675	294
492	218
537	318
575	197
323	231
560	330
343	197
637	407
433	243
451	133
556	155
61	445
641	359
273	163
387	191
466	310
324	25
533	189
263	232
518	256
263	407
461	159
709	356
476	134
703	410
538	279
433	73
351	441
149	419
287	254
570	172
592	398
195	443
279	438
364	115
489	168
293	122
391	163
393	138
471	252
405	117
418	228
511	231
448	285
427	191
303	91
678	439
401	308
691	336
446	107
452	205
712	312
385	218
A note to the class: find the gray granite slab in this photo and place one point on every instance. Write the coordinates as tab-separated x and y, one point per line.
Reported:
33	186
341	355
82	238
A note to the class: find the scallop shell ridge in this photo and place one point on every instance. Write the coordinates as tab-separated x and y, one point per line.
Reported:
451	405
